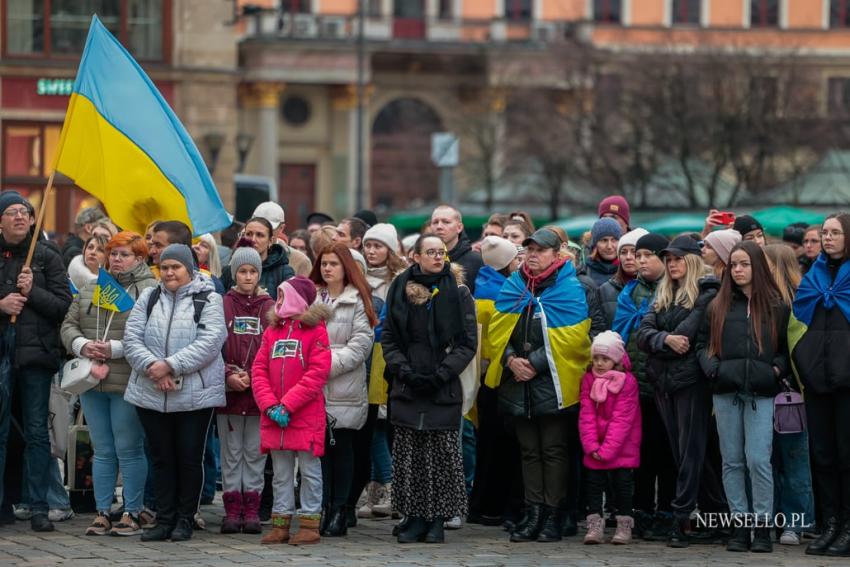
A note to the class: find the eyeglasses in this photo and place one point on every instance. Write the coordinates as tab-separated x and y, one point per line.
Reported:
14	213
831	233
435	253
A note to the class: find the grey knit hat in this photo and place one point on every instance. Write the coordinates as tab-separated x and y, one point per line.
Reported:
182	254
245	255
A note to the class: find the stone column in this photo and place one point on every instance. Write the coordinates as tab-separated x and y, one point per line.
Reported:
264	99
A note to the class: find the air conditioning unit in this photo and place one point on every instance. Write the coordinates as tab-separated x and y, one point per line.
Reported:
333	28
298	25
544	31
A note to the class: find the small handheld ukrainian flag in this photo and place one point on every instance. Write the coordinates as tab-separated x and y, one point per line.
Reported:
108	294
74	291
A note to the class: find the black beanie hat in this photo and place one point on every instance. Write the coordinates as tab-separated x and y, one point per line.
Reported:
653	242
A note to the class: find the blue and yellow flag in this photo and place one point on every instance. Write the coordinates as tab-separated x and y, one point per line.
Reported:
74	291
377	384
109	294
562	309
122	143
487	286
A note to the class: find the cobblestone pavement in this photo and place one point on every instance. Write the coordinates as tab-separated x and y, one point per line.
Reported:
369	544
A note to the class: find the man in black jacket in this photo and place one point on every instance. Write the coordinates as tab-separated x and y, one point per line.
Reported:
447	223
83	225
38	296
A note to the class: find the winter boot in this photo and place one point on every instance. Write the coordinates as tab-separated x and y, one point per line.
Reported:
308	530
232	522
680	534
552	527
280	530
338	523
595	530
740	540
840	547
251	513
762	542
623	535
829	533
535	516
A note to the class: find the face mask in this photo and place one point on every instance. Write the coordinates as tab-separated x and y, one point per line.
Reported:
292	305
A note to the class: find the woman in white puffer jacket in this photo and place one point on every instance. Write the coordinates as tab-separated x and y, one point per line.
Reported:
342	286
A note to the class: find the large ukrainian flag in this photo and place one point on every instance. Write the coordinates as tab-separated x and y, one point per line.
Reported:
562	309
487	286
123	144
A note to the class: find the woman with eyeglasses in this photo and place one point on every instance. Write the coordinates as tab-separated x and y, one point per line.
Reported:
430	336
114	425
819	337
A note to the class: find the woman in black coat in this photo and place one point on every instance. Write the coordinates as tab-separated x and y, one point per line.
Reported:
430	336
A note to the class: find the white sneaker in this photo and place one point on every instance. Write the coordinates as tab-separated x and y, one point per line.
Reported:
22	513
789	538
454	524
59	515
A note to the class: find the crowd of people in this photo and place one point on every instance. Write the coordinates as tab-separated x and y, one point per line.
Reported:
527	380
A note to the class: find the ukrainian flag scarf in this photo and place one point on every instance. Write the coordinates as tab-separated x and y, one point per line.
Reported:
562	309
628	315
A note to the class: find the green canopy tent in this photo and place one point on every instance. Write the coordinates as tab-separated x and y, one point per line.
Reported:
673	224
775	219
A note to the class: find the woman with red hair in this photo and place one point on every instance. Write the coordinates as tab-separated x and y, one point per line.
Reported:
342	286
114	425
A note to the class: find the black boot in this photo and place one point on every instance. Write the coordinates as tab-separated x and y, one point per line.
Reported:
552	526
513	524
828	534
325	520
659	529
435	531
41	523
401	526
740	540
840	546
183	530
350	517
160	532
569	527
414	530
679	535
762	542
535	516
338	525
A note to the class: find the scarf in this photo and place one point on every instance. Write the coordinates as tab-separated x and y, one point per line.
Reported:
534	281
611	381
628	315
818	286
445	318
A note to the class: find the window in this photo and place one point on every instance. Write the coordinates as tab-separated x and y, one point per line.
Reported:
838	103
518	10
373	8
59	27
686	12
764	13
296	6
838	13
445	9
607	11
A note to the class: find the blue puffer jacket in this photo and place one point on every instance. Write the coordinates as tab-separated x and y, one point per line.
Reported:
193	351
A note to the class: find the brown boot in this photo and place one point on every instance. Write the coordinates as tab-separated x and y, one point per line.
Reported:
308	531
280	530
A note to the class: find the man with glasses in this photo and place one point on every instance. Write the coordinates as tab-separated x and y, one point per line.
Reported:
39	297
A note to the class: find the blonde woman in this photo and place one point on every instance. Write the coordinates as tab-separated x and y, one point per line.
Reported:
785	269
381	249
206	250
668	335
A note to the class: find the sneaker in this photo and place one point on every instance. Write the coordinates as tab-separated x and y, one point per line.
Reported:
100	525
454	524
789	538
22	512
366	500
59	515
147	519
383	506
127	526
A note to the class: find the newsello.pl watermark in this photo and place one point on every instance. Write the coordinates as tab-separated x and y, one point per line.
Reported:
716	520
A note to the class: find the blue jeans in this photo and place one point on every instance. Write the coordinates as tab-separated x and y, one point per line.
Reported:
57	496
382	461
211	468
34	385
468	442
745	429
119	442
792	477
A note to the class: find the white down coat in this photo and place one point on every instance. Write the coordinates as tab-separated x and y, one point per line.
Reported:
351	338
192	351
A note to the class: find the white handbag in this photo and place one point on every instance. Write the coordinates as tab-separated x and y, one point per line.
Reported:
76	376
58	420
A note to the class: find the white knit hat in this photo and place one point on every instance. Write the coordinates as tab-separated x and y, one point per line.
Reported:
385	234
408	241
358	257
497	252
630	238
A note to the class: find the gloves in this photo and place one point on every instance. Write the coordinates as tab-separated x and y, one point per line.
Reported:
279	415
426	383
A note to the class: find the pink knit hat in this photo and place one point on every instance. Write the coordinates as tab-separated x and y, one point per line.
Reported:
610	345
722	242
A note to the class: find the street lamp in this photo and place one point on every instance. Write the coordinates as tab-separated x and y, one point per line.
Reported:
213	141
361	63
243	146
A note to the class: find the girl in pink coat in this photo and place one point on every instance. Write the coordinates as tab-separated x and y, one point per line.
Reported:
289	374
609	426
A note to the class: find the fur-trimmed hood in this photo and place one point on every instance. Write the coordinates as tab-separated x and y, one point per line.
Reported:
418	294
314	315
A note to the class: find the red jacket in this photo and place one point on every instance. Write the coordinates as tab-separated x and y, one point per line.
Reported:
245	317
291	368
611	428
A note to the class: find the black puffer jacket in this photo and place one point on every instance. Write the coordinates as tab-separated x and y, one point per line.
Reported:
37	337
594	306
741	368
600	270
665	369
468	259
608	293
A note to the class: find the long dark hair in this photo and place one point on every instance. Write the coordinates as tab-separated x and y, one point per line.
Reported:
764	297
351	275
844	220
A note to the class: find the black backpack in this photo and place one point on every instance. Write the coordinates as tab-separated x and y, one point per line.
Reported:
199	299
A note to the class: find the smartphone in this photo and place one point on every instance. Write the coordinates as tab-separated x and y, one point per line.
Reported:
178	382
725	217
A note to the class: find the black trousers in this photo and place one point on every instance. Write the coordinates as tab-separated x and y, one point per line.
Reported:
177	443
338	467
828	417
545	458
686	415
620	485
362	456
712	495
656	463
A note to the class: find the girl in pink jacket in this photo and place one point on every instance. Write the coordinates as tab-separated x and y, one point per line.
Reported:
609	426
289	374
